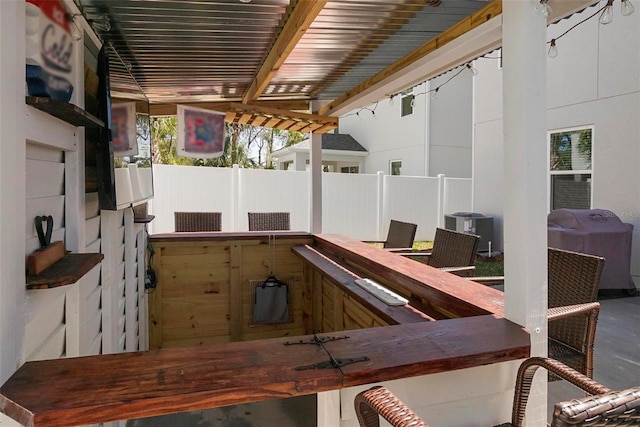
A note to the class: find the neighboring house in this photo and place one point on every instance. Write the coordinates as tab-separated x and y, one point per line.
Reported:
340	153
593	93
418	133
593	106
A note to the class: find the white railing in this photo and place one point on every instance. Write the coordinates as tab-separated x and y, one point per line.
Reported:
356	205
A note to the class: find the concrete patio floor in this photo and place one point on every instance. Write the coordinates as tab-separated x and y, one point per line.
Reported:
617	365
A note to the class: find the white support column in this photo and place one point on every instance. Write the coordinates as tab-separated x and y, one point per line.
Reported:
441	200
12	185
382	208
300	162
525	165
315	224
237	205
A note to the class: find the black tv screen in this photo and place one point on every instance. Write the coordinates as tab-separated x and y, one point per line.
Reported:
99	147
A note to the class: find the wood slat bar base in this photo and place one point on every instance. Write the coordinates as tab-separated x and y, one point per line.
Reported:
96	389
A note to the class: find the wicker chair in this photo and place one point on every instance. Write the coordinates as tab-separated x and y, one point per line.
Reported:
574	279
267	221
198	221
602	407
452	251
400	236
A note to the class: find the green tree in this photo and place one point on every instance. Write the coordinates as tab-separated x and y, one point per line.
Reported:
164	131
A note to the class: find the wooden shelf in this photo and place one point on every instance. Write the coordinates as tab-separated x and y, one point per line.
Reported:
66	271
65	111
144	220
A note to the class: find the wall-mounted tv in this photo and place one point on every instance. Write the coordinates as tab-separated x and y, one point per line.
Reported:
99	163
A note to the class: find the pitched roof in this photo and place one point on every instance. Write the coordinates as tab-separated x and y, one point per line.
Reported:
340	141
330	141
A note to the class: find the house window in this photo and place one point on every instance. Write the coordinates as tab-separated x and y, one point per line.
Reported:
407	102
570	168
395	166
350	169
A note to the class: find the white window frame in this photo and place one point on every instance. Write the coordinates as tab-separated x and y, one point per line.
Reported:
404	97
550	173
391	162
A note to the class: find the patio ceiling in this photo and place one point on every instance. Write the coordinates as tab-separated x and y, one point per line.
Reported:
260	61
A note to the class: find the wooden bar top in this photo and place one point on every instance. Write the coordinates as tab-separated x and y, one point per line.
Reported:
461	297
88	390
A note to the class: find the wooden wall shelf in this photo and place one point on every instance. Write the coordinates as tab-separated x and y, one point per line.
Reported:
144	220
65	111
66	271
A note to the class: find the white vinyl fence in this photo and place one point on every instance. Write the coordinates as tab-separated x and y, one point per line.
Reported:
356	205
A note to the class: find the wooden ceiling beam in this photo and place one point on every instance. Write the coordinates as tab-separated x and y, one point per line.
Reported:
170	109
301	17
258	120
256	109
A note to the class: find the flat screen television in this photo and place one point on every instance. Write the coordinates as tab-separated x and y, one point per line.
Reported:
99	161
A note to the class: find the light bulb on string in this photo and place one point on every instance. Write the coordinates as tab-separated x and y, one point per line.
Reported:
473	69
553	50
607	13
434	93
626	8
544	8
391	99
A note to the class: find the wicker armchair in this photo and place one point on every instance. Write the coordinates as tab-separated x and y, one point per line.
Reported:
452	251
198	221
574	279
602	407
267	221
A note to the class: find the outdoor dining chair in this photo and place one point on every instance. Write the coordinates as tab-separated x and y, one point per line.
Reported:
452	251
573	283
267	221
601	407
198	221
400	236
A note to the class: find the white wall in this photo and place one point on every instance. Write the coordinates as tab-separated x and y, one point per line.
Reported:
388	136
12	186
450	130
42	173
593	81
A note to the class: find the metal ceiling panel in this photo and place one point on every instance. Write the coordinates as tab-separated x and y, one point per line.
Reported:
211	50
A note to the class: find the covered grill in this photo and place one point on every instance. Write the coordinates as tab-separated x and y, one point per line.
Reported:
596	232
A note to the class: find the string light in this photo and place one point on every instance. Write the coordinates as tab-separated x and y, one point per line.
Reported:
626	8
607	13
544	8
433	92
606	16
553	50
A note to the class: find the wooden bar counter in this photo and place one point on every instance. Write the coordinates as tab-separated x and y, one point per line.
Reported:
468	332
